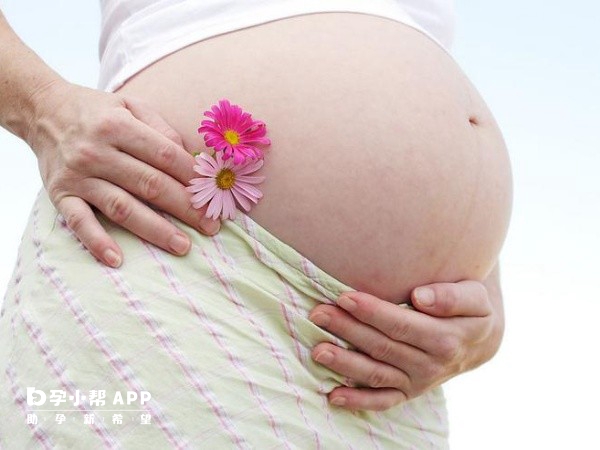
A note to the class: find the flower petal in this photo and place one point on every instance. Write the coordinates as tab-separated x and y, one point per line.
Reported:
250	180
239	158
245	122
197	187
241	198
203	196
252	198
228	205
204	170
251	166
225	156
257	131
249	190
201	183
225	105
214	140
253	151
215	206
209	125
228	164
219	116
193	182
207	159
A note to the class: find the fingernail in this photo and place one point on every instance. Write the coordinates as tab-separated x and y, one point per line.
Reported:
324	357
347	303
425	296
211	226
320	319
338	401
112	258
179	244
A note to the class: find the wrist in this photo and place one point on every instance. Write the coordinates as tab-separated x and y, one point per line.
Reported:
23	75
43	101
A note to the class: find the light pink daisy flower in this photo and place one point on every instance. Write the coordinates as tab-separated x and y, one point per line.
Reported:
234	132
223	182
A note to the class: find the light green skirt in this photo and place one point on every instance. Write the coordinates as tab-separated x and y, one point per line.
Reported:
210	350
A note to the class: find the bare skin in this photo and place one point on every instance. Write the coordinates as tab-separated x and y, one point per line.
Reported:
386	179
403	353
447	180
98	150
411	186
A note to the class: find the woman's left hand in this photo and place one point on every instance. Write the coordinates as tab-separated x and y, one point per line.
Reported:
403	353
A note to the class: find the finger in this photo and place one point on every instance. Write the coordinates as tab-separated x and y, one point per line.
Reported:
128	212
156	187
366	398
399	323
360	368
82	221
465	298
368	340
145	113
148	145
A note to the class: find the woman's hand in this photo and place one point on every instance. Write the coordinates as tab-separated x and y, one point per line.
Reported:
114	153
403	352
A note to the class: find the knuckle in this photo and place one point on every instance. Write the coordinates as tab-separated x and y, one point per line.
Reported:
166	155
450	294
75	220
172	135
378	379
151	185
60	186
82	157
197	215
400	330
448	348
447	297
131	102
118	209
108	125
382	351
430	372
55	190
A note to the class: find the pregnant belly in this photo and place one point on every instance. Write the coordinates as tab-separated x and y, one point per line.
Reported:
386	168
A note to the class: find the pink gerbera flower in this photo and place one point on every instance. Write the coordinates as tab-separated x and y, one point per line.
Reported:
223	182
234	132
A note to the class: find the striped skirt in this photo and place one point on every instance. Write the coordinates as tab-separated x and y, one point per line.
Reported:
210	350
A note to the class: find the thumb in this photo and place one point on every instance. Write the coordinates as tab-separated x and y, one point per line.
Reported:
465	298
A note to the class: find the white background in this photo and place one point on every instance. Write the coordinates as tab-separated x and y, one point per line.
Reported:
537	63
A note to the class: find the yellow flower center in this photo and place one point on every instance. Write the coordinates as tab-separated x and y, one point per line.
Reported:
225	179
232	137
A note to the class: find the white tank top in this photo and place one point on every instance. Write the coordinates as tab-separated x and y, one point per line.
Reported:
136	33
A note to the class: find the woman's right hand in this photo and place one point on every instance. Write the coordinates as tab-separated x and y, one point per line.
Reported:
109	151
